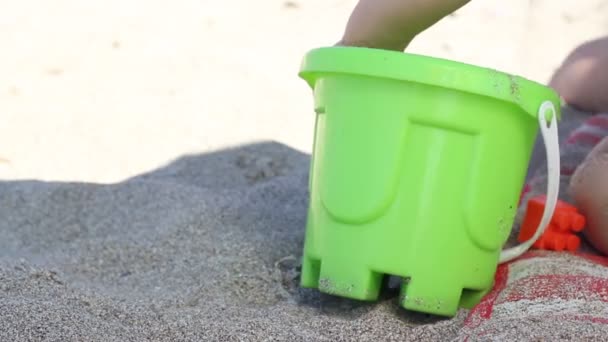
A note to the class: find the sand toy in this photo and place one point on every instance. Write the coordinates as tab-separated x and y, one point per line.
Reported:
416	171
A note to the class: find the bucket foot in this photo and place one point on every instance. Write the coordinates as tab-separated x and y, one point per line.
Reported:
351	282
311	268
436	297
470	298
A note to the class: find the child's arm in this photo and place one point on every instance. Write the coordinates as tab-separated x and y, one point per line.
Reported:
392	24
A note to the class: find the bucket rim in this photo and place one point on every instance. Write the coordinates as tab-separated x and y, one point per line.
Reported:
428	70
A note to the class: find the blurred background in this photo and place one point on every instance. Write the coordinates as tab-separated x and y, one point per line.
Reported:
101	91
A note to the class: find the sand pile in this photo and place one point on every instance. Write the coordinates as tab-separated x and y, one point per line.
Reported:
208	249
204	249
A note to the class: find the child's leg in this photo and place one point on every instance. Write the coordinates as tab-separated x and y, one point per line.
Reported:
584	176
582	81
589	189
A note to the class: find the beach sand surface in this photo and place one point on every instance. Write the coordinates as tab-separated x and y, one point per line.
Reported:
154	164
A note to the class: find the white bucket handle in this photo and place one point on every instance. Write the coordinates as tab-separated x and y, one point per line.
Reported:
551	140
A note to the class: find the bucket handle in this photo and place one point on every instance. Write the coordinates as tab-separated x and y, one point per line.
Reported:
551	139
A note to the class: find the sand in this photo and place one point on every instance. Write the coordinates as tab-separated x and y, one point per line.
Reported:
178	254
154	161
207	249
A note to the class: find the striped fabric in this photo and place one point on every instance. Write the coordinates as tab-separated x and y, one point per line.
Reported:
544	296
591	132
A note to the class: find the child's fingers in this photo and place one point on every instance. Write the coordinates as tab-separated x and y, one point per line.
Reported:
392	24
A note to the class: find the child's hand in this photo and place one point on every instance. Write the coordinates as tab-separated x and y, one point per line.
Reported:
392	24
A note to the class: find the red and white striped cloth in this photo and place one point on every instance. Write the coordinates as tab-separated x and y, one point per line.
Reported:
591	132
547	296
543	295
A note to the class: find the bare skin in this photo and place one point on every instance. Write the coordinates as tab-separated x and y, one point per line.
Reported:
582	81
392	24
589	188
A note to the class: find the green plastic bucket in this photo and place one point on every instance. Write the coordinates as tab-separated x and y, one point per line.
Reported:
417	168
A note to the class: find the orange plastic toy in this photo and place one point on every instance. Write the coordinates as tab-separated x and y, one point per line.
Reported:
561	233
